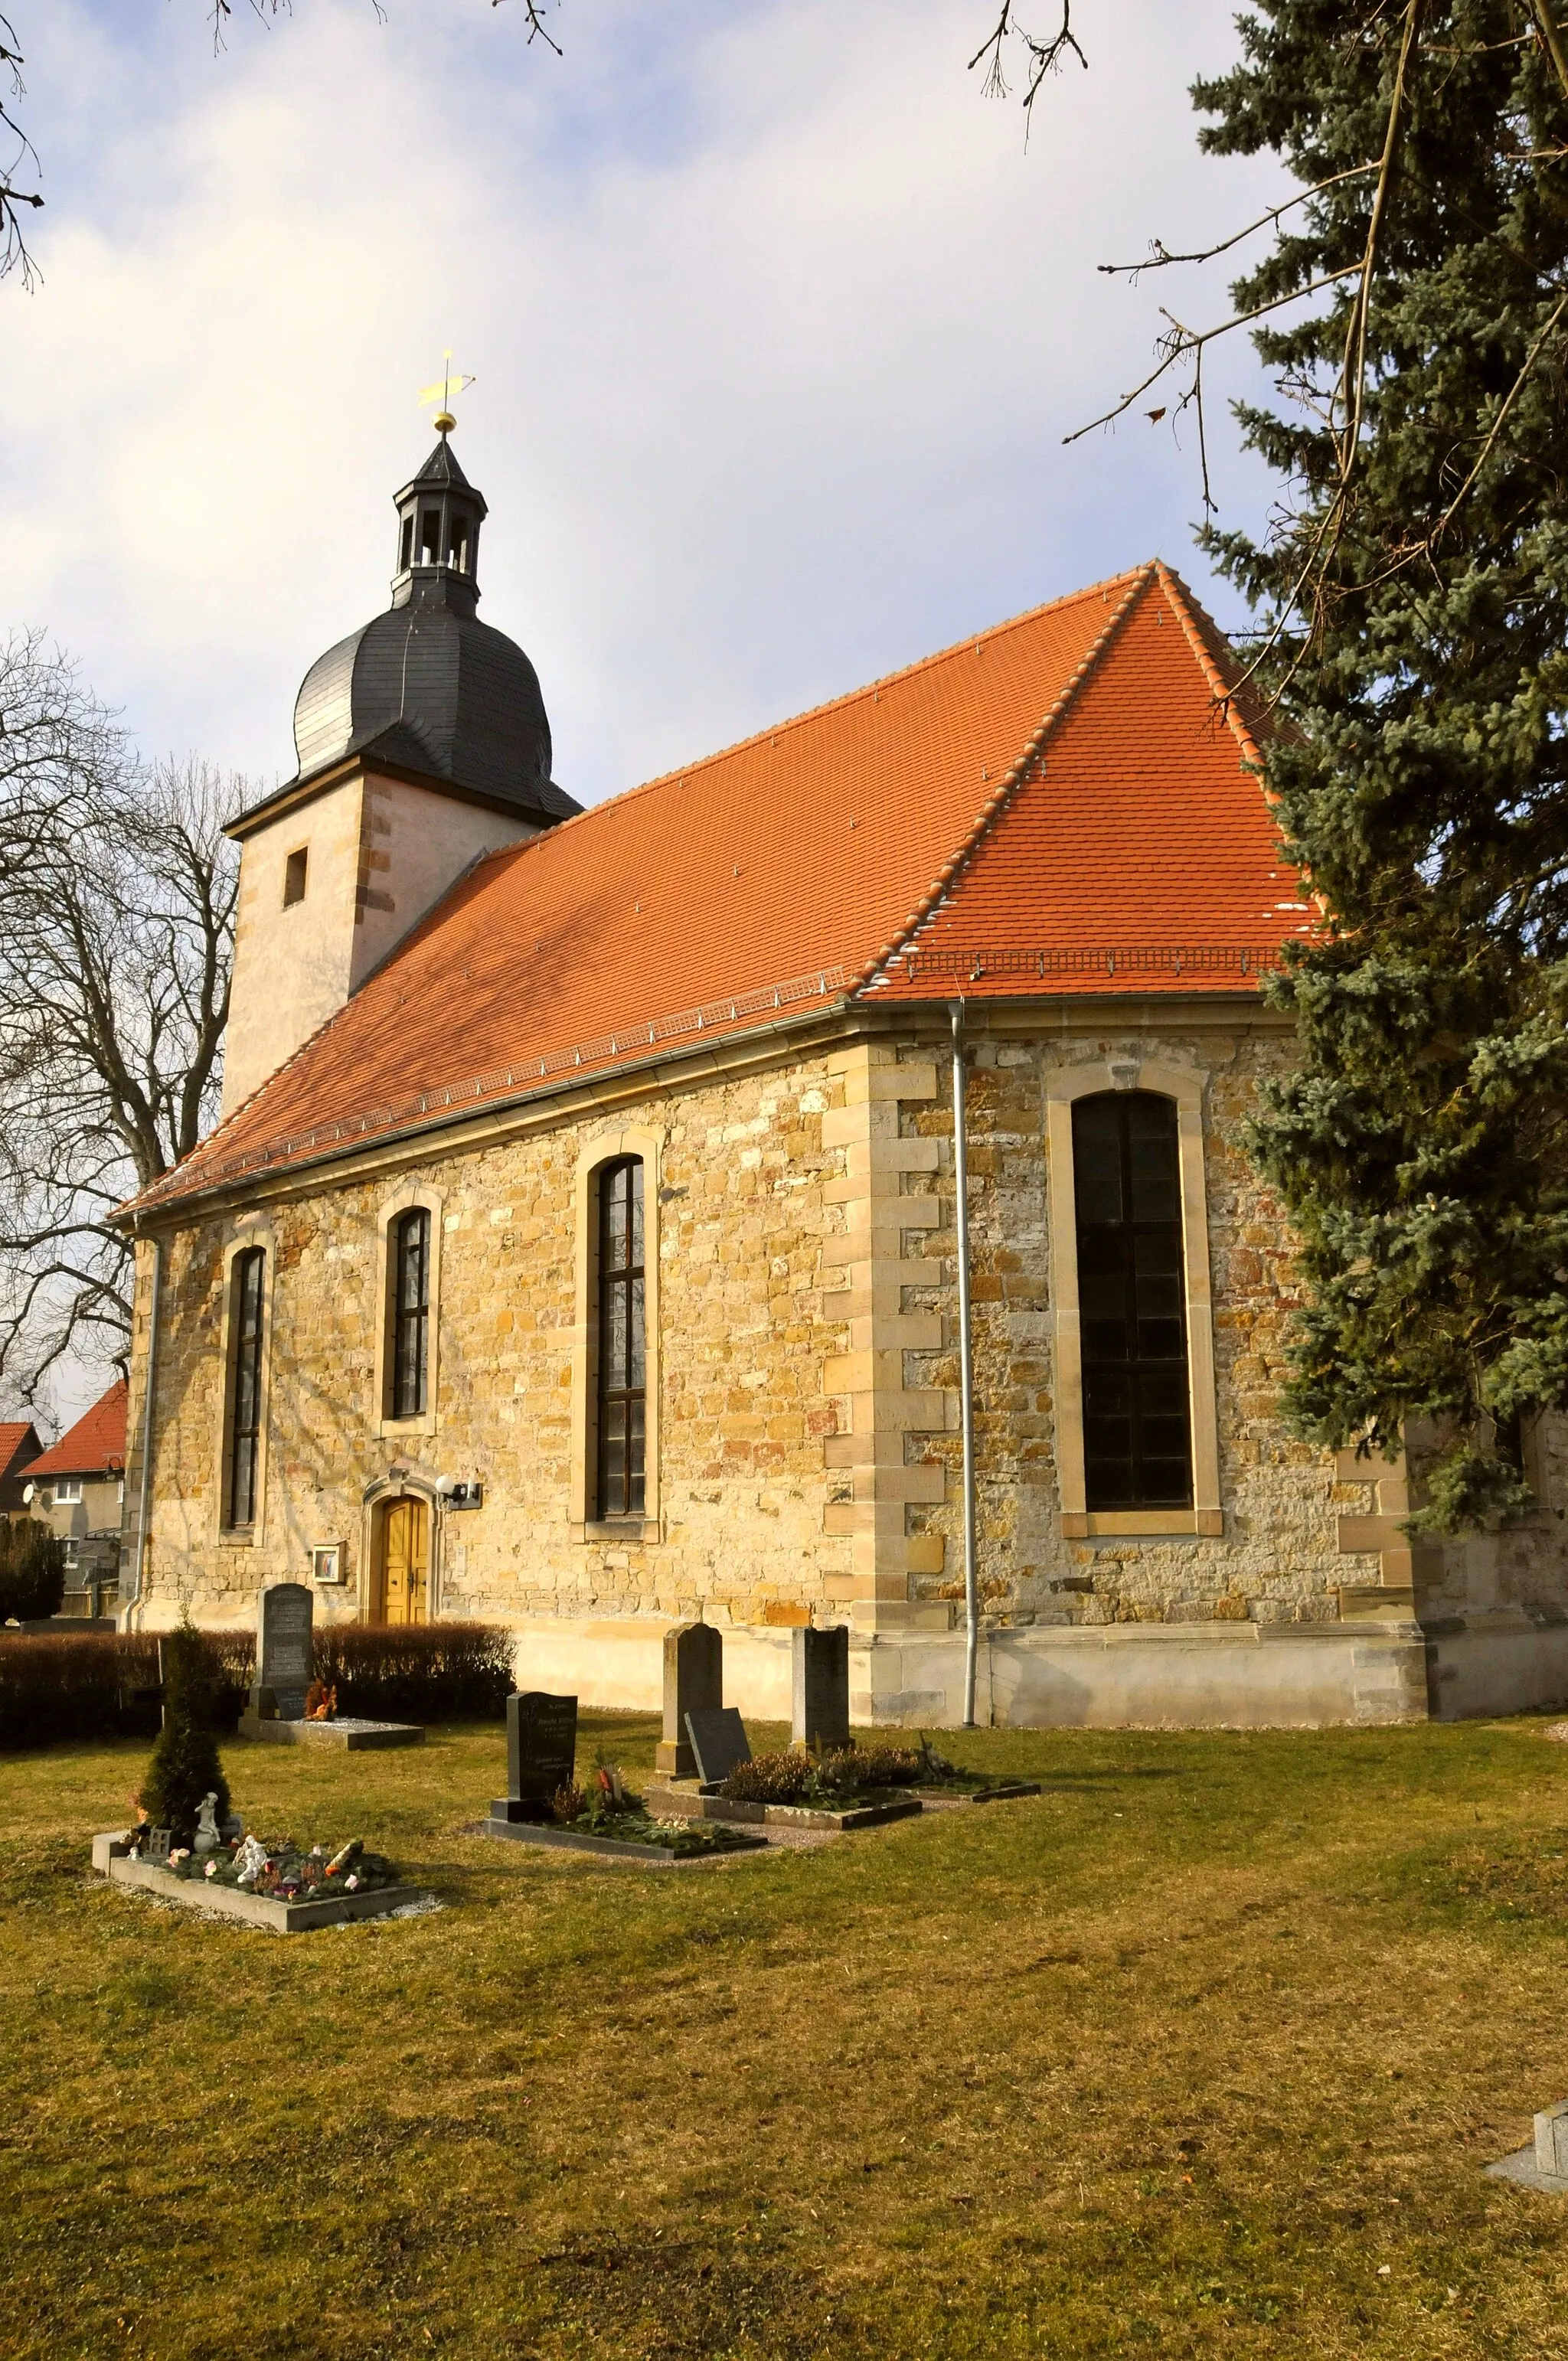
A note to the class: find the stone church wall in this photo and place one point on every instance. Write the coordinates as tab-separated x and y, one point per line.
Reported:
759	1521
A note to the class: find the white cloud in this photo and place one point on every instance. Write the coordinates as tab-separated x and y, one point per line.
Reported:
777	325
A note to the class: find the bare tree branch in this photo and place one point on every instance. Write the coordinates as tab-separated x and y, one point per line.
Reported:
1042	57
117	909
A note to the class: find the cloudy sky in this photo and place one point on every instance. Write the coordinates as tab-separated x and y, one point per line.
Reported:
777	327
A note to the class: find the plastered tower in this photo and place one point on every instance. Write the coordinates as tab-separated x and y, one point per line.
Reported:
422	742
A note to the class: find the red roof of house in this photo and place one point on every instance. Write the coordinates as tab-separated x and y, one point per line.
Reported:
14	1436
1061	804
96	1445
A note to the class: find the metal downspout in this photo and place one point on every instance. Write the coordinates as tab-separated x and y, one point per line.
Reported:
966	1360
149	1385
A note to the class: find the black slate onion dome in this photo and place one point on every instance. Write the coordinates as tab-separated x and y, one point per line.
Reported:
426	685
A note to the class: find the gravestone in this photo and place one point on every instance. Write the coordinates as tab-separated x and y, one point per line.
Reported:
542	1753
820	1688
719	1742
284	1664
693	1683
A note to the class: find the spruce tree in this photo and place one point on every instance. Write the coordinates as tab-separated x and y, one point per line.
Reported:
1413	603
185	1765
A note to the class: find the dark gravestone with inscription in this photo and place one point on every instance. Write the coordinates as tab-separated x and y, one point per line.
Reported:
819	1689
542	1753
719	1741
693	1683
284	1664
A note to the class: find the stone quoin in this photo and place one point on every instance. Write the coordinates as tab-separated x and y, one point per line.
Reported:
578	1248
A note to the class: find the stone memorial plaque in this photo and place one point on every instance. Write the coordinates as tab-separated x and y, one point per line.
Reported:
284	1657
541	1751
693	1683
820	1688
719	1742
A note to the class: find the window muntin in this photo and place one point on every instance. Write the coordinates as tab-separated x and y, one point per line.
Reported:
245	1427
67	1491
410	1314
1137	1431
622	1369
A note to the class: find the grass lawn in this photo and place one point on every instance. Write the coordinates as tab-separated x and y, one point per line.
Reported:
1200	2052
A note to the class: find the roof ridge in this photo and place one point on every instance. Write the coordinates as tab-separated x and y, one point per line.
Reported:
682	771
992	808
1199	625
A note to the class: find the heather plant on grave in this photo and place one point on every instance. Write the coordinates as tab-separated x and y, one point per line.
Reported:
186	1767
828	1781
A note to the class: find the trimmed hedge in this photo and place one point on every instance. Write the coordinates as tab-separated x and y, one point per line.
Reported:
77	1687
84	1685
420	1672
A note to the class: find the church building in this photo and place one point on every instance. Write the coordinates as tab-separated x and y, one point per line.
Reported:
582	1247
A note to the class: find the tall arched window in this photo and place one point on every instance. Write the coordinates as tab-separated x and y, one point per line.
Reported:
248	1281
622	1401
410	1312
1137	1429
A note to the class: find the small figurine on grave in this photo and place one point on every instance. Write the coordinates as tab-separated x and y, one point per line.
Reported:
207	1838
250	1861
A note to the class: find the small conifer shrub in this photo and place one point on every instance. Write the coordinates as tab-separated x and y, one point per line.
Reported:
32	1571
185	1765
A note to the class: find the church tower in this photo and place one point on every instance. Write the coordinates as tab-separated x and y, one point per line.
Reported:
423	742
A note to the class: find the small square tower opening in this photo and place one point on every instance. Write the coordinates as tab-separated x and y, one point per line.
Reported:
294	871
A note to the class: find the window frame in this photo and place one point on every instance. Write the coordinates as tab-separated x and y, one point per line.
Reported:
584	1524
1126	1236
410	1321
413	1196
1185	1085
250	1240
623	1406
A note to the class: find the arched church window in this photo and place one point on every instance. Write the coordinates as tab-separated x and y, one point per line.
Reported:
1137	1429
622	1398
410	1314
248	1282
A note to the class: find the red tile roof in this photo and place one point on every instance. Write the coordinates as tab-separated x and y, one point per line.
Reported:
96	1445
14	1437
1056	805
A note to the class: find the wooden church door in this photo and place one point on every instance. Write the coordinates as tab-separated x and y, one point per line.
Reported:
404	1586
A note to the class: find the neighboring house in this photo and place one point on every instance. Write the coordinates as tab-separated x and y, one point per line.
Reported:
19	1447
580	1246
78	1489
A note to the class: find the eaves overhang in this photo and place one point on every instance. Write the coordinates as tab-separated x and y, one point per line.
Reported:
467	1123
365	762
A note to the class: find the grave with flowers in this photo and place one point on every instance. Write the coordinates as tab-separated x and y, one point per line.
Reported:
187	1847
545	1805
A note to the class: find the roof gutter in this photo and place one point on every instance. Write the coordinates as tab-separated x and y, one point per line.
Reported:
966	1359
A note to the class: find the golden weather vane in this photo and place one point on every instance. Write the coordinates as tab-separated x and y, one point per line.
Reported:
444	394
